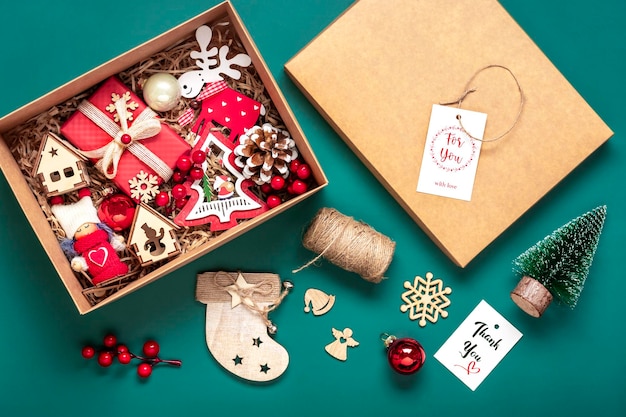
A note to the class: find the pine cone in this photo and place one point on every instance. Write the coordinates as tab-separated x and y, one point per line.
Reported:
264	152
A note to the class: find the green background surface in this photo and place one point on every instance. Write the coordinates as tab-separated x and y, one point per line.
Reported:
569	362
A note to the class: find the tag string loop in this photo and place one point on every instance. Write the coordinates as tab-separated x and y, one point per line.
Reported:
468	90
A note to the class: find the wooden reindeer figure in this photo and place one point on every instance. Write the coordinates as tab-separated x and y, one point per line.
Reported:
220	104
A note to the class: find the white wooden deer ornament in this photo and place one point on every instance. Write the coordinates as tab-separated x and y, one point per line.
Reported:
220	104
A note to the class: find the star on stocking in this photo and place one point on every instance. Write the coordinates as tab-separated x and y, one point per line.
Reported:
238	292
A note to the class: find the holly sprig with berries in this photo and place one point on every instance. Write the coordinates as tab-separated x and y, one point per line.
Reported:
111	350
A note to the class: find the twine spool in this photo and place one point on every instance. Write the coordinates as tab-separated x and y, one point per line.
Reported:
349	244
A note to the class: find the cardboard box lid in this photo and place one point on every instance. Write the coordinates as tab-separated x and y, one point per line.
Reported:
376	71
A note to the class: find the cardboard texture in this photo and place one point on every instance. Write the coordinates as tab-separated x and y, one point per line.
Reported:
28	201
376	71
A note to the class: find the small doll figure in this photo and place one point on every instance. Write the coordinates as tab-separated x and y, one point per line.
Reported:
90	244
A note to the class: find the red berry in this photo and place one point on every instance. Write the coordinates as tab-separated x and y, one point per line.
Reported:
196	173
126	138
277	183
151	348
273	201
144	370
105	359
124	357
184	163
110	340
162	199
178	177
57	199
179	192
303	172
180	203
299	187
266	188
88	352
198	156
293	166
122	348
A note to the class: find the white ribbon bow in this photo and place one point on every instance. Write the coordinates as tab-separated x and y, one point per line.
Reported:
145	126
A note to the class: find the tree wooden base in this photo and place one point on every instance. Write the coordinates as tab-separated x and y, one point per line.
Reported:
531	296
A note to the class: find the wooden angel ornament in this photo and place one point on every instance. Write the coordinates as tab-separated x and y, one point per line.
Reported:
338	349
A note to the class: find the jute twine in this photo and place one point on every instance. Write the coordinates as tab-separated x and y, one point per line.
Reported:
349	244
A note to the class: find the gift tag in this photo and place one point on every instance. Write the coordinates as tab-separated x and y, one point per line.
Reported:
450	154
478	345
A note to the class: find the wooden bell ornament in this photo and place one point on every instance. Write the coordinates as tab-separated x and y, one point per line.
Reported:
531	296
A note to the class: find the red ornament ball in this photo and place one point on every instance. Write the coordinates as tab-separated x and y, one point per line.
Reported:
273	201
184	163
277	183
151	348
303	171
179	192
144	370
196	173
88	352
406	356
198	156
162	199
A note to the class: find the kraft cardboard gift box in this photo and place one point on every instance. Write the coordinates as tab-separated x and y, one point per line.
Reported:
378	69
31	201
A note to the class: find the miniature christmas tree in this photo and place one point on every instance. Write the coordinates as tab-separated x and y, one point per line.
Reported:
557	266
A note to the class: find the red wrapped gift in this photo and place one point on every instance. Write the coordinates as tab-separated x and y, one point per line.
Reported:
125	139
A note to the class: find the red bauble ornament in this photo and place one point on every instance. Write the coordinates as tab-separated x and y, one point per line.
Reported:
406	356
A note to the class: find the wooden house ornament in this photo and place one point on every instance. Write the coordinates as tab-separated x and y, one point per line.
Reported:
60	168
152	236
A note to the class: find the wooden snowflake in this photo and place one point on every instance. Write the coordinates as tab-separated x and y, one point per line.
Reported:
425	299
130	106
144	186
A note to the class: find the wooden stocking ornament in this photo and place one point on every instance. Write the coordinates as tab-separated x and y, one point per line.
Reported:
237	328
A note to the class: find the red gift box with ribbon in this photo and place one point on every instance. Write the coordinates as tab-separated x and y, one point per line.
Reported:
125	139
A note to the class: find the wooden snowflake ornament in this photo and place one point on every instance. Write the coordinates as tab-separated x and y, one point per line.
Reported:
425	299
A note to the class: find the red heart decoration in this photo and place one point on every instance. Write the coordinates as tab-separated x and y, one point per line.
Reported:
98	256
